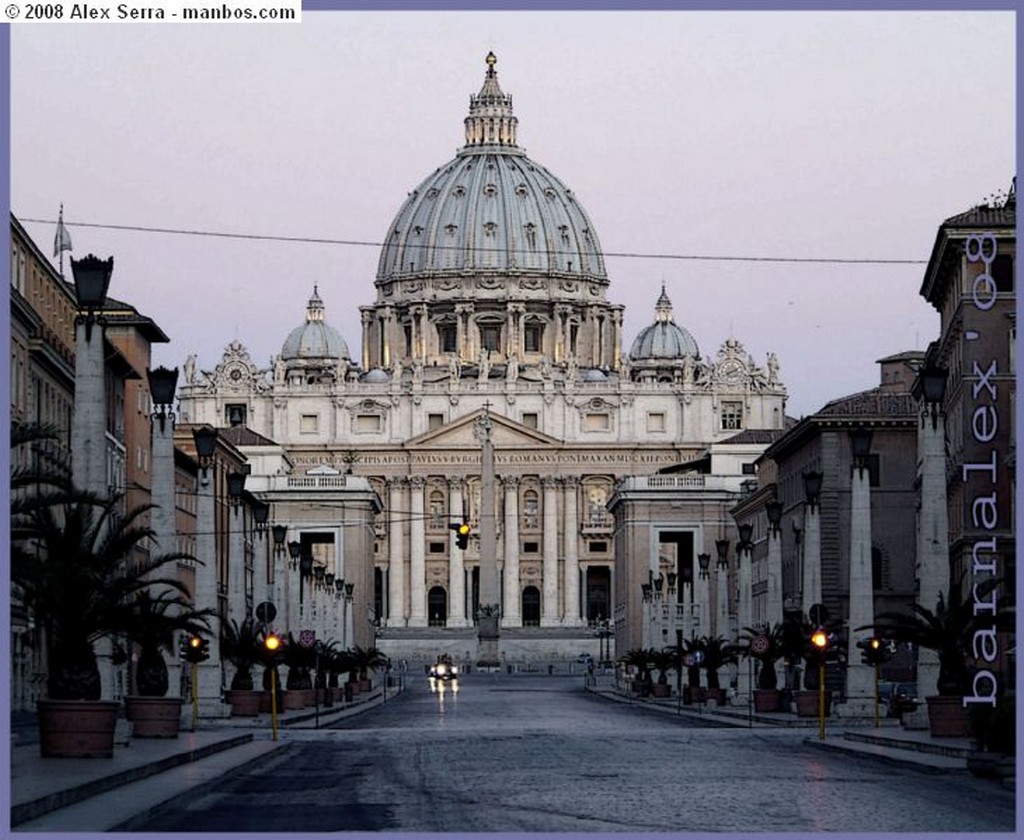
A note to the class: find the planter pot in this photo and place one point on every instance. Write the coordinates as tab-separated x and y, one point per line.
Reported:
716	694
265	702
366	685
698	694
807	703
245	703
661	690
948	718
766	700
294	698
153	717
77	728
309	697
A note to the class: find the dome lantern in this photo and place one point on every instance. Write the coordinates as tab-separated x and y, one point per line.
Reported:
490	121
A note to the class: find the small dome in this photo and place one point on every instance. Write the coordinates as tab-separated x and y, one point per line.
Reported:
664	339
376	375
315	339
593	375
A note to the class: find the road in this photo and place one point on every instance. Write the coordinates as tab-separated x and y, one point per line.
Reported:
531	753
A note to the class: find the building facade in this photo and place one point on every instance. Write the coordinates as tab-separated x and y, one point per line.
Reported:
491	298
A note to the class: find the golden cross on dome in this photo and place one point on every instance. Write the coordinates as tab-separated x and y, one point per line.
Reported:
491	59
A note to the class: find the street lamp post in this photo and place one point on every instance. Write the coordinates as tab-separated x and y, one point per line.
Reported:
236	548
209	671
744	606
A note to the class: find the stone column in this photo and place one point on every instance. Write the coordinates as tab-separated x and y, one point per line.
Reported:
457	562
89	419
396	557
616	338
209	682
745	615
932	535
367	316
549	601
811	584
703	588
511	616
570	523
236	563
773	597
860	678
722	599
162	517
463	311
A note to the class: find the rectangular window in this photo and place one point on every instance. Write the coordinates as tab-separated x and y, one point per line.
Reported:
531	548
532	335
407	328
368	422
530	419
309	424
435	421
732	415
490	337
435	548
597	547
446	337
655	422
748	468
873	470
1002	273
596	423
235	414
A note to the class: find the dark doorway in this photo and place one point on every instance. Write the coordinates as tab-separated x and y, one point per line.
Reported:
531	607
437	607
678	544
599	588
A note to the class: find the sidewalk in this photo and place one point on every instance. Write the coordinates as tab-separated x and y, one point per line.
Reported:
889	742
95	794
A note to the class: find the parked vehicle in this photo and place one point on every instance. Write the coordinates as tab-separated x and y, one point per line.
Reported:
898	698
444	668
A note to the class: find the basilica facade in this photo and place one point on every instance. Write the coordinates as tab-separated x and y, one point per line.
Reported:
491	299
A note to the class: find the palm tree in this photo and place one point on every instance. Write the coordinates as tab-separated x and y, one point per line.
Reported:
151	622
661	661
69	569
640	659
366	660
242	646
718	652
766	679
300	661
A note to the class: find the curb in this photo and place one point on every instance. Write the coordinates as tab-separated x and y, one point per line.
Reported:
888	755
26	811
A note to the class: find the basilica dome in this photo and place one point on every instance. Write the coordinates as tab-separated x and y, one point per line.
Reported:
491	209
664	339
315	339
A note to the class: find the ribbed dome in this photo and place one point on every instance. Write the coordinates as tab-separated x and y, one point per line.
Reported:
664	339
315	339
491	208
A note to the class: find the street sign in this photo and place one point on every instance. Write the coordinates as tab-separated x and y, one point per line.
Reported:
698	657
266	612
688	660
818	614
759	644
307	638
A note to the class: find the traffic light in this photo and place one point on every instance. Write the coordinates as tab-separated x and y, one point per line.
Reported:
272	643
819	639
194	648
461	534
873	650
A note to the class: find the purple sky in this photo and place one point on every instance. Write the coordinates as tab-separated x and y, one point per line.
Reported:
778	134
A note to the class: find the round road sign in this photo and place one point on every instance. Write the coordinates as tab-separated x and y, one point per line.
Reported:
759	644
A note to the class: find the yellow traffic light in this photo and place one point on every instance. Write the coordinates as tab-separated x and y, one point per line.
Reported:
819	639
272	642
195	642
876	643
463	530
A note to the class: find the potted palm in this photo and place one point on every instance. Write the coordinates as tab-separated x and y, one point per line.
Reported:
151	622
764	643
242	645
694	655
717	654
638	660
948	630
299	682
661	661
366	661
68	569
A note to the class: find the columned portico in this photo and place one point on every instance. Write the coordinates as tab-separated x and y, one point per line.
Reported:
511	615
549	605
457	563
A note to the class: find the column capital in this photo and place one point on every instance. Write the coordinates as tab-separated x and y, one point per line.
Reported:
516	308
417	482
465	308
550	482
510	482
455	484
571	481
396	482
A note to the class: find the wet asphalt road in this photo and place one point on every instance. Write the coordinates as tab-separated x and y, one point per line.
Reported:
523	754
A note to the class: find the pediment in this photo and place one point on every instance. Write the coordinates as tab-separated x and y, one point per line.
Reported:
461	434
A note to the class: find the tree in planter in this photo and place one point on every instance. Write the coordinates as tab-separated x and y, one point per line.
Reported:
639	659
661	661
366	660
693	647
717	654
300	661
766	678
69	570
242	646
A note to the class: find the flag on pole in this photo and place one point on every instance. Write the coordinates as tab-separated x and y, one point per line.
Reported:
62	239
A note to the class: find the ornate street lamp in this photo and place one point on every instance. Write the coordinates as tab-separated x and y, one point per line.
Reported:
236	484
722	547
746	531
162	384
774	512
206	444
339	585
645	590
260	514
279	532
92	279
860	445
671	582
329	580
704	561
348	591
812	488
931	386
294	550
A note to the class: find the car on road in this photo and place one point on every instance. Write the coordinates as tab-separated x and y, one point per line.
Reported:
898	697
444	668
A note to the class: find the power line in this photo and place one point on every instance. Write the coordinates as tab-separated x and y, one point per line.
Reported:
308	240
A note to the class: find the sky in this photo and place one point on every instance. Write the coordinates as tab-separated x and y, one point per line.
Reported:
825	135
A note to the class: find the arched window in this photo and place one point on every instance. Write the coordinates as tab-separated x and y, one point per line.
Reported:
531	517
437	606
438	517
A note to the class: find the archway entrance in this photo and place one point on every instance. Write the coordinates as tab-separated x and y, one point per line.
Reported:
531	607
437	606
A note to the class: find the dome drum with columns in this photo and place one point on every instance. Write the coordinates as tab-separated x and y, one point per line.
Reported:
491	295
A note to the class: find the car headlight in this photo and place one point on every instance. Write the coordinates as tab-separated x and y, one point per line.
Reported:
454	670
440	669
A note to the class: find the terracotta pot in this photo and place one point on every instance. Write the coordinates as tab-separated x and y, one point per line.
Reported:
661	690
766	700
807	703
948	718
77	728
699	694
366	685
294	698
716	694
265	701
245	703
153	717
